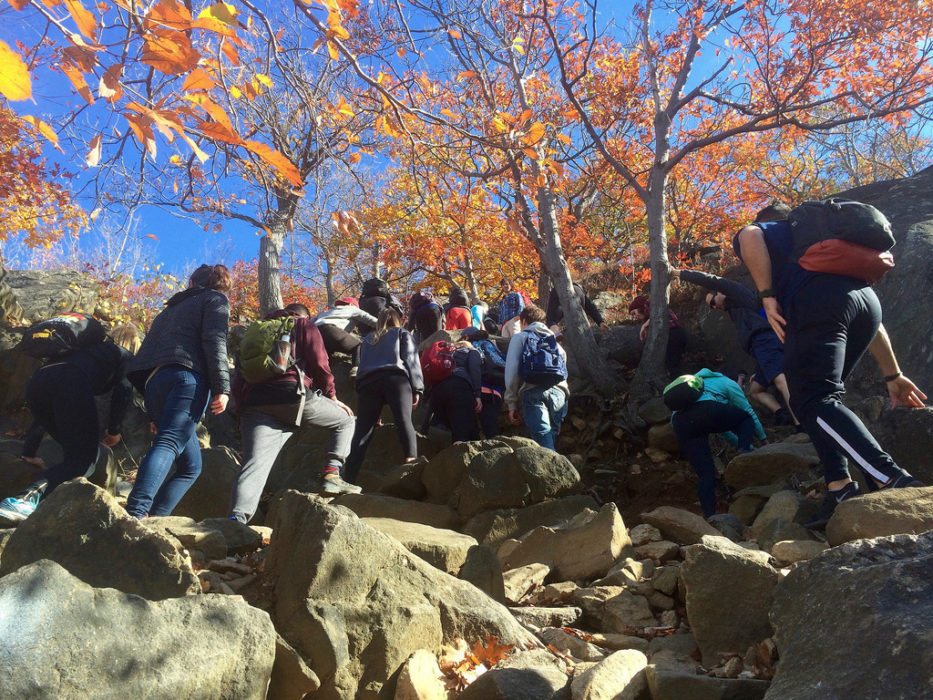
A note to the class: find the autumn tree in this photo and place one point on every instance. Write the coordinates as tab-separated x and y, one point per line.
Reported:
692	74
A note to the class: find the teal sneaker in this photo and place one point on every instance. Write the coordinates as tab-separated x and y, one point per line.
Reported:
18	509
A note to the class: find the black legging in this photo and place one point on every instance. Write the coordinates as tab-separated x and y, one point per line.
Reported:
489	417
676	344
693	426
336	339
452	402
376	391
61	401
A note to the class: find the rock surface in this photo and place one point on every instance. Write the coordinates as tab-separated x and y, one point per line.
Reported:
495	526
620	676
668	683
729	593
82	528
893	512
421	679
356	619
533	675
368	505
769	463
444	549
72	641
863	609
209	496
679	525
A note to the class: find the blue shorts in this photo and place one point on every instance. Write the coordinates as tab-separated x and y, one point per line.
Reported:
768	352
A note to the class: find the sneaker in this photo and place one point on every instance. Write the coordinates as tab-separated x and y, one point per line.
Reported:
830	501
334	485
782	417
353	372
904	481
17	510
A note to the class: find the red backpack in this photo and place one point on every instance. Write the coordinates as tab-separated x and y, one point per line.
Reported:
437	362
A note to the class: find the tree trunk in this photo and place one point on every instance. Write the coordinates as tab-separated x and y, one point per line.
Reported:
651	375
544	288
470	278
329	280
270	282
577	330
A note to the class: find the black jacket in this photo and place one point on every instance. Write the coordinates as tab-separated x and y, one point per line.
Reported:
426	316
394	352
468	365
555	314
742	304
192	332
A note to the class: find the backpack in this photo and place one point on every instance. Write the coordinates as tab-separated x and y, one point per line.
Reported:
683	391
437	362
266	349
542	363
60	335
842	237
375	287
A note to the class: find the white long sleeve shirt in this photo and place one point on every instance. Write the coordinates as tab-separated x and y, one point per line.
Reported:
345	317
514	385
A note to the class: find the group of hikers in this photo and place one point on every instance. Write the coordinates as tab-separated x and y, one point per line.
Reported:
805	329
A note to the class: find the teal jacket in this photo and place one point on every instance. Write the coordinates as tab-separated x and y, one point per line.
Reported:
718	387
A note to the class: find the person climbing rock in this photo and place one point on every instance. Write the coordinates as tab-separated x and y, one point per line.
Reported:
640	309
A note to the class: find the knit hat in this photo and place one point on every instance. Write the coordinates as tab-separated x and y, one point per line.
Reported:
347	301
640	303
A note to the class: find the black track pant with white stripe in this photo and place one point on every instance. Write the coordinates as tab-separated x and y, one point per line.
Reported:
831	320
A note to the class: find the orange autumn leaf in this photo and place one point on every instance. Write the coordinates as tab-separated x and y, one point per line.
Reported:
14	76
216	112
534	134
277	160
84	20
169	14
44	129
93	155
77	79
218	132
169	52
198	79
18	4
110	87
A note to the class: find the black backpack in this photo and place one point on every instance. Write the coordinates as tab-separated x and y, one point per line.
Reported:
375	287
840	219
61	335
683	392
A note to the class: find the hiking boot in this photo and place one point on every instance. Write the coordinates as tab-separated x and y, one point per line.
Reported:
18	509
782	417
333	485
904	481
830	501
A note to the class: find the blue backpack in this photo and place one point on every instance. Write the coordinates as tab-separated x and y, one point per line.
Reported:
542	363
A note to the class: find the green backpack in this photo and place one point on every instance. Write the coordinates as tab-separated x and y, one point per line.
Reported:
265	350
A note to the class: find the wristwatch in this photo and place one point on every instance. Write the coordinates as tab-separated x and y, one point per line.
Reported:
765	293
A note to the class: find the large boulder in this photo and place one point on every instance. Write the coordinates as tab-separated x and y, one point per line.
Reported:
209	496
369	505
356	604
729	593
907	435
679	525
61	638
84	529
495	526
620	676
445	549
770	463
583	552
494	474
859	619
891	512
45	293
672	683
532	675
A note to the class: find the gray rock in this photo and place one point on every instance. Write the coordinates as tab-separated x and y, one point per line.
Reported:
666	578
240	538
548	617
625	612
877	591
620	676
679	525
530	675
792	551
442	474
571	644
356	619
892	512
421	679
778	530
495	526
584	552
662	437
654	411
522	580
671	683
769	463
617	642
643	534
729	525
368	505
43	294
4	538
64	641
483	570
746	507
908	435
781	506
405	481
729	593
444	549
209	496
82	528
291	677
190	534
658	551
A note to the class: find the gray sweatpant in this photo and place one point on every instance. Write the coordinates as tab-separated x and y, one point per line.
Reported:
264	435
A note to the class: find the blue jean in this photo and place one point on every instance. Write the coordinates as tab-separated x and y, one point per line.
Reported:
543	410
176	399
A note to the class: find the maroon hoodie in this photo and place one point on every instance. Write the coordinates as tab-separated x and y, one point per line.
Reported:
308	351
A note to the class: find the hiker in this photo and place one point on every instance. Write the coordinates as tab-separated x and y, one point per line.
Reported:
555	313
706	403
336	326
181	370
492	379
271	410
425	315
390	373
640	308
509	307
478	313
536	378
60	396
457	400
457	313
826	322
375	296
754	335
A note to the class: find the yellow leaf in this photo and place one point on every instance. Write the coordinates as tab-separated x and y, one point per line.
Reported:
277	160
447	113
175	159
354	158
332	50
14	76
563	138
77	79
84	20
44	129
219	12
531	153
93	155
344	109
534	134
235	92
518	45
500	124
264	79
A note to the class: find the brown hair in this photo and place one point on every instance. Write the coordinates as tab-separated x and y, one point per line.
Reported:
776	211
126	335
389	317
532	314
211	276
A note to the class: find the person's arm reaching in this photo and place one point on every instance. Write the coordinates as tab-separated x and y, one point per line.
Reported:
596	316
738	294
737	398
512	381
409	354
215	320
758	261
902	391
